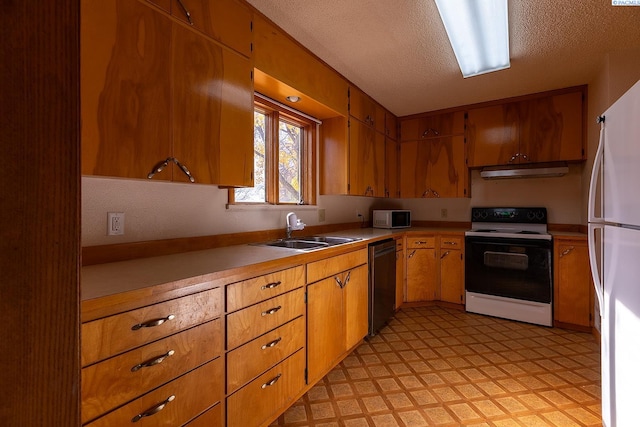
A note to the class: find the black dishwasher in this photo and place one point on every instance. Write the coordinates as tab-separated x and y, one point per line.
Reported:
382	284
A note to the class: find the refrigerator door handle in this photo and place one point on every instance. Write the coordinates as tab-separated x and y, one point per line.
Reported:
595	171
595	271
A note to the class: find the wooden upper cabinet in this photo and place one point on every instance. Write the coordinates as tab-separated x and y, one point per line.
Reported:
433	168
366	160
391	169
212	111
390	126
543	129
366	110
432	126
226	21
153	91
281	57
124	88
552	129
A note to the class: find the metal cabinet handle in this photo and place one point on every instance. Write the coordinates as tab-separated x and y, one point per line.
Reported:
444	254
153	362
346	281
186	12
420	242
566	251
524	156
271	344
338	281
515	156
411	254
184	169
272	382
159	167
271	285
426	192
369	188
152	323
271	311
435	193
430	130
449	243
152	411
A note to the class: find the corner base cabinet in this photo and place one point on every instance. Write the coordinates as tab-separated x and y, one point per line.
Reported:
573	299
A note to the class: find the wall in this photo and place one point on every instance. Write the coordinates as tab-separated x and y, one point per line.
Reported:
163	210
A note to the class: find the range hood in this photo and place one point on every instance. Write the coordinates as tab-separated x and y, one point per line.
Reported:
542	170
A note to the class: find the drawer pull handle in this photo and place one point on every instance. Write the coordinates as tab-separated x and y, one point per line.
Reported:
271	285
271	311
421	242
566	251
450	243
154	361
152	411
339	282
152	323
411	255
272	343
272	382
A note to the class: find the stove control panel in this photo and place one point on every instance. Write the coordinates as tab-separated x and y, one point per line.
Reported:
510	215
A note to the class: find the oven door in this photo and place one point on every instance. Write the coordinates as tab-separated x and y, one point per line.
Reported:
508	267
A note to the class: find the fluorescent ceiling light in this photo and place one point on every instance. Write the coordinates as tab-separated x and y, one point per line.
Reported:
479	34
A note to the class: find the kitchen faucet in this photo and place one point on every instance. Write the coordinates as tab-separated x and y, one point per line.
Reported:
293	223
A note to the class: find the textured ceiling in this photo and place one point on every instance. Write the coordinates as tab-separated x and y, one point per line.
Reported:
398	52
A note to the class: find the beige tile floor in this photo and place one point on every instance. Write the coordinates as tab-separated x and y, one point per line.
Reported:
433	366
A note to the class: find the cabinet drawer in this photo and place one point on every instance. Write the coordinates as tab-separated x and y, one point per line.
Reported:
115	381
115	334
451	242
421	242
247	324
248	292
192	394
212	418
255	357
328	267
268	394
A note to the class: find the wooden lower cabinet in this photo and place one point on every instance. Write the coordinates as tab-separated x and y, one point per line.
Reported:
263	398
337	310
212	418
573	303
451	269
422	268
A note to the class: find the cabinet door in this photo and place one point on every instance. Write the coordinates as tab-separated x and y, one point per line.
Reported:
325	330
391	126
363	108
212	111
433	126
366	161
414	168
448	172
226	21
493	135
551	129
125	64
356	305
392	189
451	276
572	282
422	275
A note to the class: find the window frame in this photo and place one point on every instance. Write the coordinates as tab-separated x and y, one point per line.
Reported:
308	181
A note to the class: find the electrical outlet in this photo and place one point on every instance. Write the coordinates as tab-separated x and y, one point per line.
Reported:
358	214
321	215
443	213
115	223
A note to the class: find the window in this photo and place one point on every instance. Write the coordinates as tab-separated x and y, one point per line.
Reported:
284	158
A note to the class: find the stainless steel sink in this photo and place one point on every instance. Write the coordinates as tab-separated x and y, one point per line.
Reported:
308	243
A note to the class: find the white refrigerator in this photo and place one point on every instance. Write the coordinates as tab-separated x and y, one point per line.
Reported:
614	250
